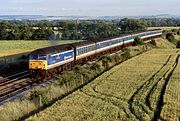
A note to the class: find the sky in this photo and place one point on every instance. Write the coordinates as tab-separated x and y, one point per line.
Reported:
89	7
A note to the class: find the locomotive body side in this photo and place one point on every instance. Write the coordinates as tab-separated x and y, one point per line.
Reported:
59	59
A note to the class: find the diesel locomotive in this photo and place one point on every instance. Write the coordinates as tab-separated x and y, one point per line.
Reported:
50	61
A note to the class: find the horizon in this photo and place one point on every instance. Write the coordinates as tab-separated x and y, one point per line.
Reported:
89	8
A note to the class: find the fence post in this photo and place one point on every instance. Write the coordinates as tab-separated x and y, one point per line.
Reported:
82	79
28	107
14	116
40	102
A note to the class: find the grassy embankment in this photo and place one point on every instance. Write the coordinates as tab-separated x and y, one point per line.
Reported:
129	91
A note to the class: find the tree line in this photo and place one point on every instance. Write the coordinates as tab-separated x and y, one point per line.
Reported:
73	30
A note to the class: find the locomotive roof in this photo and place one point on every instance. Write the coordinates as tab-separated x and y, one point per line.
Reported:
53	49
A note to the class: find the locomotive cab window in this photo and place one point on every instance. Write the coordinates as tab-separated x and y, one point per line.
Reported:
49	57
33	57
42	57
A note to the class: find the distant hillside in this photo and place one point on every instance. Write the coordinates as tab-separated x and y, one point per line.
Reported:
41	17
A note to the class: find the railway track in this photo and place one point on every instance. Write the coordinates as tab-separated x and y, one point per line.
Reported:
14	84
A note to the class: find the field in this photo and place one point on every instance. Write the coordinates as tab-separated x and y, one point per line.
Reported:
143	88
171	108
163	28
21	46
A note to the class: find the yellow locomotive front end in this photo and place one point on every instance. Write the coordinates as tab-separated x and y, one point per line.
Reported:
38	64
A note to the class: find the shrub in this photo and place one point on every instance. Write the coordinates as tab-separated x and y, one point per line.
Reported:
174	30
95	67
170	37
178	44
178	33
105	61
126	55
153	42
138	41
35	97
117	59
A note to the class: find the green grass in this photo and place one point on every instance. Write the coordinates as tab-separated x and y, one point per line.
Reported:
21	46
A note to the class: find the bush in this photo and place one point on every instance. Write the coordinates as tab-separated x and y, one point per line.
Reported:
153	42
126	55
174	30
178	33
106	61
117	59
170	37
138	41
35	97
178	44
95	67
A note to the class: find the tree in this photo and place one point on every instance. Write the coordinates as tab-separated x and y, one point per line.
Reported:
132	25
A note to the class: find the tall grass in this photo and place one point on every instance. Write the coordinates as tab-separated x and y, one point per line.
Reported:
106	98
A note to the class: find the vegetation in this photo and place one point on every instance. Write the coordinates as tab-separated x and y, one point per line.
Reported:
132	25
171	101
170	37
65	30
153	42
178	44
40	98
78	30
134	94
138	41
165	28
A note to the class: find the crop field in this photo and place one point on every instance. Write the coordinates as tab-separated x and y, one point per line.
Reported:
163	28
143	88
171	108
21	46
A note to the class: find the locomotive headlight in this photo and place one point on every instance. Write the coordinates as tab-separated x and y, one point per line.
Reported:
38	64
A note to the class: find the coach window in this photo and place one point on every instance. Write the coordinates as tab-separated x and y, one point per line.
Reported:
82	50
88	48
79	52
85	49
49	57
58	57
